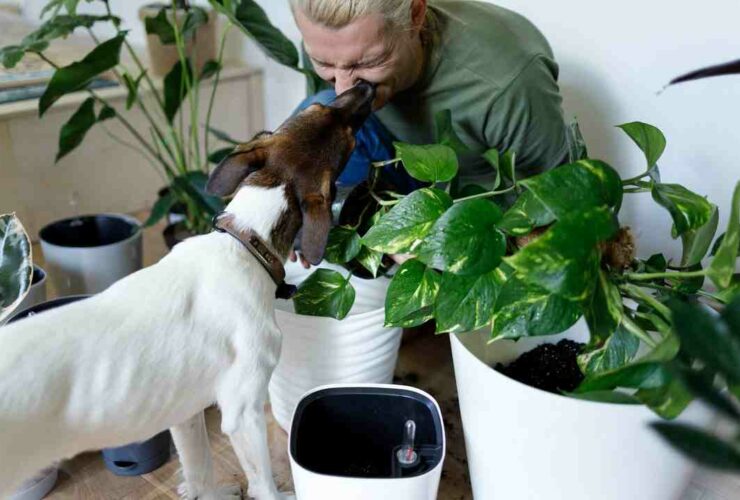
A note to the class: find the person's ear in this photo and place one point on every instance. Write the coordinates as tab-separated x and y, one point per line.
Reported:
418	14
238	165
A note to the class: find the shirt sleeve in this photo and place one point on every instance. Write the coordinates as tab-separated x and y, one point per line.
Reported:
527	118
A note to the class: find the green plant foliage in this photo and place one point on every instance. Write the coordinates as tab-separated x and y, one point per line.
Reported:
493	158
370	260
722	268
210	68
577	149
445	132
343	245
16	266
619	349
604	310
701	446
576	187
249	17
523	309
668	401
554	263
408	222
696	242
648	138
160	209
312	299
465	240
411	295
465	303
688	210
78	74
175	88
161	26
430	163
76	127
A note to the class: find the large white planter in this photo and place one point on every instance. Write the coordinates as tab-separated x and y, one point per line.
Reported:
37	292
524	443
320	351
87	254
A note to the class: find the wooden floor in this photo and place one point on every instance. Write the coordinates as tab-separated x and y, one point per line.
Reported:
424	362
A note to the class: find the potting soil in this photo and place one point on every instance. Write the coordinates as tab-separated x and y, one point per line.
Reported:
550	367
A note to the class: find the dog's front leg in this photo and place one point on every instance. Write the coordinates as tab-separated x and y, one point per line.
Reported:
191	440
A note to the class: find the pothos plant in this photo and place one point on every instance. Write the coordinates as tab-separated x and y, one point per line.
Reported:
535	265
16	267
174	145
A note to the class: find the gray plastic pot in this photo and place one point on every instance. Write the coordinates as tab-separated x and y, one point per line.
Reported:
138	458
87	254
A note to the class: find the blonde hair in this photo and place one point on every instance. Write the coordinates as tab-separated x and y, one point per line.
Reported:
340	13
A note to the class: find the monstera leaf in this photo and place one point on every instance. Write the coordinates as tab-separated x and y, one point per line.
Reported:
16	268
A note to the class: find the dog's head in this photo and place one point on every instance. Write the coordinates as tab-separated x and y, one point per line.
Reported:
306	154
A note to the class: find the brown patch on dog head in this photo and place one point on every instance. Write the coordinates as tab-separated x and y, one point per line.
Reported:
239	164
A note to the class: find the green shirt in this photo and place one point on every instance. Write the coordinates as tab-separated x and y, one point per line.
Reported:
495	71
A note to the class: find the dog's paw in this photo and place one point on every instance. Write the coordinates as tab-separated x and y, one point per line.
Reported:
231	492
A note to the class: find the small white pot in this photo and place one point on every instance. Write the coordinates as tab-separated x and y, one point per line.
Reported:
524	443
318	351
344	438
86	254
37	293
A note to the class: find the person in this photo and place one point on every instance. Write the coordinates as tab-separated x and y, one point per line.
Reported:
489	66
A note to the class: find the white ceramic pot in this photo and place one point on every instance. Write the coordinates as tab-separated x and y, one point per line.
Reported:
37	293
319	351
524	443
86	254
344	439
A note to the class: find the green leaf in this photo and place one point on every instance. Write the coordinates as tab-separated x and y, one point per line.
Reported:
700	446
707	338
160	25
565	260
508	166
722	268
529	206
576	187
494	159
249	17
430	163
209	69
223	136
193	185
106	113
217	156
613	397
464	240
638	375
16	266
524	310
78	74
603	313
701	384
656	263
577	149
370	260
408	222
194	19
688	210
160	209
325	293
465	303
618	350
445	132
470	190
696	242
731	292
175	89
411	295
648	138
132	85
74	130
515	222
343	245
668	401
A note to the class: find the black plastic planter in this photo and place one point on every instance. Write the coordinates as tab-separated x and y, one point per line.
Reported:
345	443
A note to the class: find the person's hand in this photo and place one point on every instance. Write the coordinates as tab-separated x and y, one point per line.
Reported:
294	256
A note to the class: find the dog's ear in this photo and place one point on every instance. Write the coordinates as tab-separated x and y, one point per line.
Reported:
238	165
316	227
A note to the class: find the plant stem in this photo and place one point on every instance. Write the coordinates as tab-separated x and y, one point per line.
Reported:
382	202
211	100
636	190
654	276
637	293
635	178
485	195
380	164
637	331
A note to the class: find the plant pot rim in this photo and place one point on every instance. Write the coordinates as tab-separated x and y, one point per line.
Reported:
541	392
127	218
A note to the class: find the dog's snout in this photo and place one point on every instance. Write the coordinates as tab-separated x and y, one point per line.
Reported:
355	104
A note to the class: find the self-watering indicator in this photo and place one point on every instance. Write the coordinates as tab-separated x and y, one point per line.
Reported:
406	456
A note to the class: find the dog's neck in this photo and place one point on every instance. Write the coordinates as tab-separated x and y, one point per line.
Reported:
264	210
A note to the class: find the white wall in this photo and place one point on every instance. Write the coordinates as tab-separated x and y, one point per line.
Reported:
614	57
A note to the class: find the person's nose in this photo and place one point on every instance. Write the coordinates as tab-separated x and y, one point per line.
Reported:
344	80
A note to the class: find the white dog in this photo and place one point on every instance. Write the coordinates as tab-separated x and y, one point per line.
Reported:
159	346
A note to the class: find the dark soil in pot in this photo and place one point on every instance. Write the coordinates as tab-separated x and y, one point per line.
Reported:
550	367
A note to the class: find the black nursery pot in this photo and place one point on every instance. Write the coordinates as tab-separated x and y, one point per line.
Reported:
344	434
